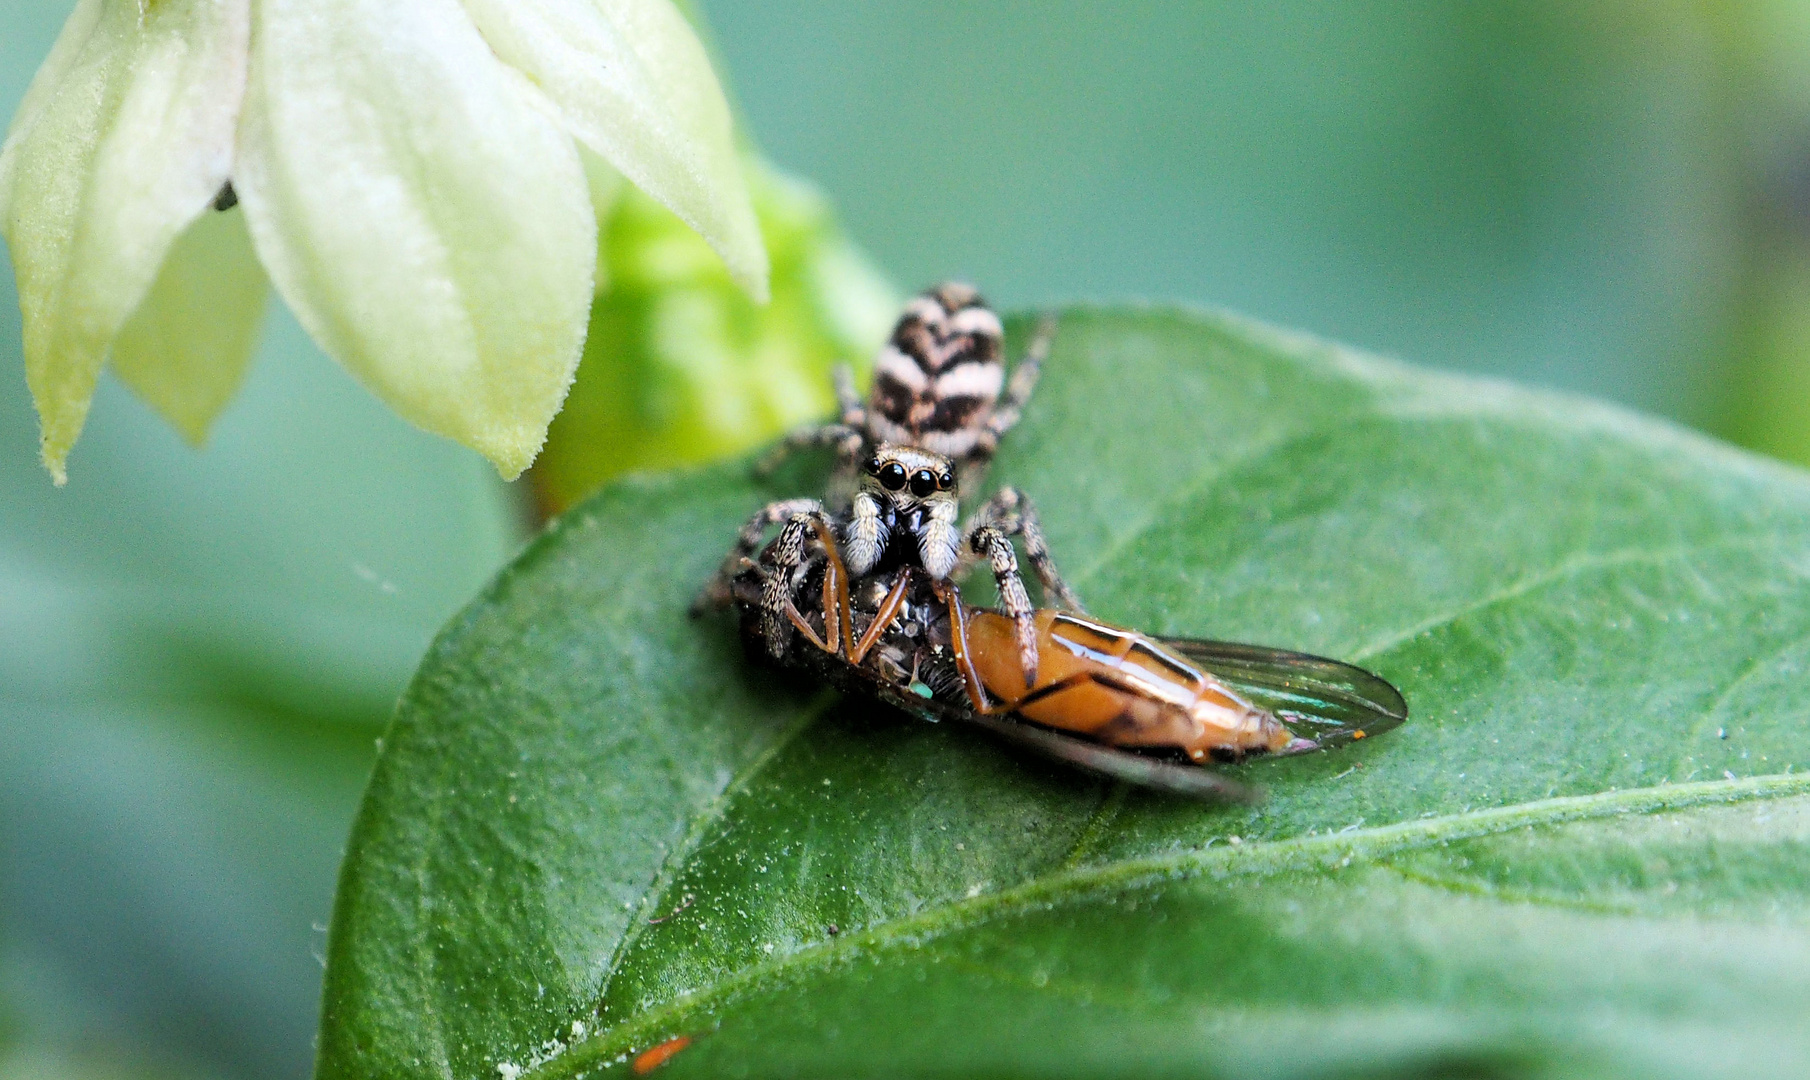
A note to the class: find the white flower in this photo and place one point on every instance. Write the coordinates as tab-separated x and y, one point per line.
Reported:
417	177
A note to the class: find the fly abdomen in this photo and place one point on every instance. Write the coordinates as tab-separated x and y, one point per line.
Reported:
1119	687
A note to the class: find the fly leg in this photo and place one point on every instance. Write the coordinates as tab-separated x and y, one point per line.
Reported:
790	564
883	618
951	597
716	592
838	614
964	663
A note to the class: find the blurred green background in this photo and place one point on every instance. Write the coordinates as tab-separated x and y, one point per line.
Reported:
198	650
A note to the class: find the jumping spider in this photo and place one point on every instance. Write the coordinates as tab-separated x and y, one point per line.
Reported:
857	590
932	422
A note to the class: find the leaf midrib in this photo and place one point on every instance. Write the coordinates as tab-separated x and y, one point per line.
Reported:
699	829
1263	858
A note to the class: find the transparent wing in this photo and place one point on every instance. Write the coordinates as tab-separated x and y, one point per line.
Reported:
1324	701
1143	770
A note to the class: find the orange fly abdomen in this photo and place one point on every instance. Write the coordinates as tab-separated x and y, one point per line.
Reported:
1118	686
1085	707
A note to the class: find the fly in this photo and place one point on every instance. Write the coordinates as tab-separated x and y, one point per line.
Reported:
1130	706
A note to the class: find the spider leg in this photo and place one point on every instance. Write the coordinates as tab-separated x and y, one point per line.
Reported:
847	435
847	441
789	555
716	592
848	402
986	540
1010	512
1010	409
1024	379
1006	514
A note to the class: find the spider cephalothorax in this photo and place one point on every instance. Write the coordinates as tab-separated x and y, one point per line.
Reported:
906	500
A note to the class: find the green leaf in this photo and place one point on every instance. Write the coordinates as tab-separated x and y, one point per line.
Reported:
593	827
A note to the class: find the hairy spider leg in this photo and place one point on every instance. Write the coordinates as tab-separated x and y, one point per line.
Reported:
848	399
1010	409
1010	513
992	543
849	435
788	553
717	591
848	441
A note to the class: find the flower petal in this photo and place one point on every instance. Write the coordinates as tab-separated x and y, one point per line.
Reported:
422	210
124	138
186	348
635	85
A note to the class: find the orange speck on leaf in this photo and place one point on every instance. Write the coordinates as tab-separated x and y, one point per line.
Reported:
655	1056
1358	734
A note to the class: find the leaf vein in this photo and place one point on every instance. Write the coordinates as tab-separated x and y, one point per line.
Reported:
1263	858
1463	886
701	823
1749	672
1573	566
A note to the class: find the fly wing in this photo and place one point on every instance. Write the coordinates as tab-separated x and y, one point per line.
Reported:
1142	770
1324	701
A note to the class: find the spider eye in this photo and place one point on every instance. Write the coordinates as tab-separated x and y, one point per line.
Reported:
892	476
946	481
873	466
923	482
